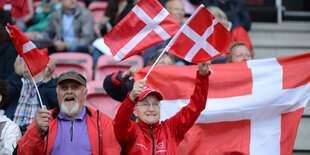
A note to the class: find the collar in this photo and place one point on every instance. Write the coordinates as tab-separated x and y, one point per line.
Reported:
81	116
147	126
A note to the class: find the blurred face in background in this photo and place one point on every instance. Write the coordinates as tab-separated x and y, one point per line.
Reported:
68	4
241	53
176	10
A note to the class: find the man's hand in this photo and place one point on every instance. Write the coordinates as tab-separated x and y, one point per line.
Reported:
49	69
130	72
19	66
204	67
42	118
60	45
137	89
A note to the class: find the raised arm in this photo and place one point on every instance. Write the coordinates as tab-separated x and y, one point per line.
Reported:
186	117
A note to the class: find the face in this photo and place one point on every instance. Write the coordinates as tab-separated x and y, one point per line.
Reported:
176	10
148	109
165	60
68	4
71	96
241	53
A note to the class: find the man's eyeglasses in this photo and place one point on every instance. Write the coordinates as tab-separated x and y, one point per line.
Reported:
146	105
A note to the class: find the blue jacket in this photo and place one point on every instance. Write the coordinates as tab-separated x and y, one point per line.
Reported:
47	92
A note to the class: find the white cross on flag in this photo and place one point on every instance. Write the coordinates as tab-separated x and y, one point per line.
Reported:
201	38
253	107
147	24
35	59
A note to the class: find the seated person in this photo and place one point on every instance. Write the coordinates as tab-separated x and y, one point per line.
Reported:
43	15
144	102
71	129
117	85
70	28
239	52
9	131
23	100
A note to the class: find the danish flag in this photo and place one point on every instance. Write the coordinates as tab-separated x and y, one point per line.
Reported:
147	24
35	59
253	107
201	38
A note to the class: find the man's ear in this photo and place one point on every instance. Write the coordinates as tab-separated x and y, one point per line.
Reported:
0	98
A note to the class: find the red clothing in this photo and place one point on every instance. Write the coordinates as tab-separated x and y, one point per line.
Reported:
135	137
239	34
21	10
32	142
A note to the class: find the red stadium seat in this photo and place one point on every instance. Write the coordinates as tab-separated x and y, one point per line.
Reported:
98	99
80	62
107	64
98	9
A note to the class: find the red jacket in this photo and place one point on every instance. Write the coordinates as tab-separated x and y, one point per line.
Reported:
135	137
239	34
32	142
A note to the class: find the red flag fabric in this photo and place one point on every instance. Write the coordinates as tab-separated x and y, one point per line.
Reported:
253	107
201	38
35	59
147	24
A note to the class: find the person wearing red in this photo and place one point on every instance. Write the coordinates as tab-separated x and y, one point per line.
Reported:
148	135
71	129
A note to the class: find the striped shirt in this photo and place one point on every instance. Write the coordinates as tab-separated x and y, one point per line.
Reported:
28	104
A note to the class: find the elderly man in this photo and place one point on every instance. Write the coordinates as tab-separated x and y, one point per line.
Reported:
148	136
239	52
71	129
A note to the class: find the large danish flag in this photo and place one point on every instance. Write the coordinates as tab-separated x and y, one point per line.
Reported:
253	107
147	24
35	59
201	38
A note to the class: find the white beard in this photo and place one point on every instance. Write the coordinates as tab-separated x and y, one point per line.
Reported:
67	111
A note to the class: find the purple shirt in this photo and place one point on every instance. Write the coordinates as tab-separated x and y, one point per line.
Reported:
72	139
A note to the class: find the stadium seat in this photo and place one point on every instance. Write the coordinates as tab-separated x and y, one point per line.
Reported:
107	64
80	62
98	99
98	9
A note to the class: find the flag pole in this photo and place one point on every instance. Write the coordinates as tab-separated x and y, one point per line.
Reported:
35	84
161	54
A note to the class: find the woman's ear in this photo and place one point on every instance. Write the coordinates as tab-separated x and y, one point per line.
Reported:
135	112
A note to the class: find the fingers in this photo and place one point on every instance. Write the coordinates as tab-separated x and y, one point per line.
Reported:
204	67
42	118
130	72
137	89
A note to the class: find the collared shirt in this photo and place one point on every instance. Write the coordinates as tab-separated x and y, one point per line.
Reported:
72	136
28	104
68	28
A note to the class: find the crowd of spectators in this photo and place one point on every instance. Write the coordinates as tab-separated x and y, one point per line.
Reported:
68	26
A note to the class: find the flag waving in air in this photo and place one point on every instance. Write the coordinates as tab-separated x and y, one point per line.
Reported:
253	107
35	59
147	24
201	38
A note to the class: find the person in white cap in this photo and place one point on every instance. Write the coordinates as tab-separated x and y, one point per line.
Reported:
148	135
